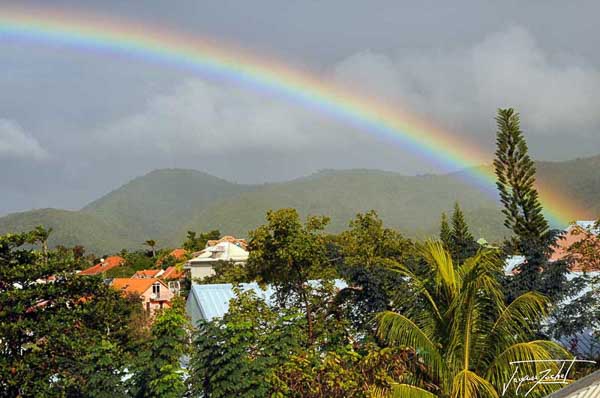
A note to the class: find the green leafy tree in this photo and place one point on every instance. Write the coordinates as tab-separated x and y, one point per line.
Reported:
287	254
60	334
237	355
159	373
368	251
227	272
515	173
463	331
194	243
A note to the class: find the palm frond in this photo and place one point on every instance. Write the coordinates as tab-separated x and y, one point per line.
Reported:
408	391
531	358
398	329
439	259
421	289
467	384
516	319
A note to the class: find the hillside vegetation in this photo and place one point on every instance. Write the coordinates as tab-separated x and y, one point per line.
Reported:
164	204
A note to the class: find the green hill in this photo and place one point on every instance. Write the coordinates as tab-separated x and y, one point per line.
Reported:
71	228
155	205
164	204
411	204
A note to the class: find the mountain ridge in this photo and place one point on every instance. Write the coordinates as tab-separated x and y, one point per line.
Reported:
164	203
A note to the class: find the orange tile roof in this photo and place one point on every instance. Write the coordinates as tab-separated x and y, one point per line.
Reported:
108	263
134	285
231	239
146	273
172	273
178	254
562	249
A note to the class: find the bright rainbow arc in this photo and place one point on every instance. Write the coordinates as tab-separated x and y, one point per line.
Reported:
158	45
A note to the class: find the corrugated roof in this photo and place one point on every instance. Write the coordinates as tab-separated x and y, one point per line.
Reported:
211	301
587	387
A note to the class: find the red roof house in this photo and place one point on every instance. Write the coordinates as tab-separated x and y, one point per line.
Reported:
104	265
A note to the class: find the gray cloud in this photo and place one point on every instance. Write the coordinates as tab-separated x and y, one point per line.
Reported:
462	88
105	119
16	143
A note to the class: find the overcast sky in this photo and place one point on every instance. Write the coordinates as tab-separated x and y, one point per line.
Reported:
75	125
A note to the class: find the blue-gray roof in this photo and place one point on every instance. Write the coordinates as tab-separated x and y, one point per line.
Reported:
211	301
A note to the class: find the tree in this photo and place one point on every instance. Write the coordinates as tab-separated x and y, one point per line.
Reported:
445	232
237	355
286	253
152	245
462	244
584	291
60	334
159	373
368	251
515	172
194	243
464	332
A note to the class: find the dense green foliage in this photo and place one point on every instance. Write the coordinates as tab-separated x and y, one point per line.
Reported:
60	334
158	372
165	204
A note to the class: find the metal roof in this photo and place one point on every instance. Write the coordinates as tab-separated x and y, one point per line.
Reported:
587	387
211	301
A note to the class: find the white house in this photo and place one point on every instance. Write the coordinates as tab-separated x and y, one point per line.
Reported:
225	249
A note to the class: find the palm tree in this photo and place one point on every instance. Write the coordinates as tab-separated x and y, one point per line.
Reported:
459	324
152	244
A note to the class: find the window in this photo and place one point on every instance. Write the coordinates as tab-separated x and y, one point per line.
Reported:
156	289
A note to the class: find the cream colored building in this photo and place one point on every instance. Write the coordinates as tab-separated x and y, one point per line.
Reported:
225	249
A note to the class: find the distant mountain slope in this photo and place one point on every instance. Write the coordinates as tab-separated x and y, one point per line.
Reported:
411	204
164	204
71	228
155	205
580	178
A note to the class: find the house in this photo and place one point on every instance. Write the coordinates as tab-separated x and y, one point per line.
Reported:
227	249
155	294
583	344
148	273
104	265
206	302
178	254
586	387
171	276
561	251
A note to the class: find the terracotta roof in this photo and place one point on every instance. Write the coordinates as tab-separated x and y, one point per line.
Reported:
178	254
562	249
134	285
108	263
147	273
172	273
231	239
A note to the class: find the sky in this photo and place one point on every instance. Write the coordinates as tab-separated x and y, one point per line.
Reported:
75	125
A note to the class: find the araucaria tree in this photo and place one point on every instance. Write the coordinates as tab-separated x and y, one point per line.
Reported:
515	172
463	330
462	244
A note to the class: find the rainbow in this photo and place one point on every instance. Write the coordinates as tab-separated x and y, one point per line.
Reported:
155	44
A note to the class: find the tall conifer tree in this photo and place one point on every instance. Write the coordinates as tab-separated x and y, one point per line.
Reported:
515	172
462	244
445	232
